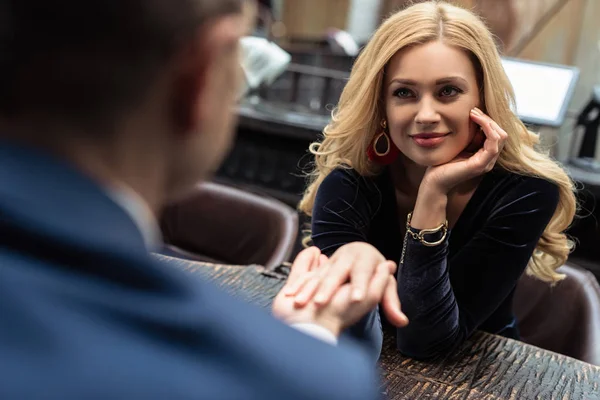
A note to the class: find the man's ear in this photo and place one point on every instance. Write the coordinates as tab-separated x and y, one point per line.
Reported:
195	64
191	74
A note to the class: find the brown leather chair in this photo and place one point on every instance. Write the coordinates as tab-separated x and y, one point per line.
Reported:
222	224
564	318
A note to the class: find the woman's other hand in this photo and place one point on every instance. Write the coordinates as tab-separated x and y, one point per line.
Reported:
468	165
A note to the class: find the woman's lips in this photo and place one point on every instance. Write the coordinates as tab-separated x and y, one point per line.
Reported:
429	139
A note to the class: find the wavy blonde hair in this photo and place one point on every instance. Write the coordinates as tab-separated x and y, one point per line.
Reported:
356	119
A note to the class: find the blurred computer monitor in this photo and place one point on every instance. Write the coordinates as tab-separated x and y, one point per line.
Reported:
542	91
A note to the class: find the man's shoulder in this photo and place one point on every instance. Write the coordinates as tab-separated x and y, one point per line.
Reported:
72	334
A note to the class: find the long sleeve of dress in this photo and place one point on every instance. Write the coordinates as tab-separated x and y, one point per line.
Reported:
443	312
344	206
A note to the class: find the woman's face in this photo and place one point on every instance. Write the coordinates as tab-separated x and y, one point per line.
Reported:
429	91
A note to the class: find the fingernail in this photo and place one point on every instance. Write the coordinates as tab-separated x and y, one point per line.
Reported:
320	298
300	300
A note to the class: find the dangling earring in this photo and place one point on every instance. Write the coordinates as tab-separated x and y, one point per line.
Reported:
382	150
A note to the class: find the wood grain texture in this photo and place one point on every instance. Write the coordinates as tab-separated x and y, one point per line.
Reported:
489	367
485	367
254	283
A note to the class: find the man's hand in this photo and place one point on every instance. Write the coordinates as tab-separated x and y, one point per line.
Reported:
342	310
354	264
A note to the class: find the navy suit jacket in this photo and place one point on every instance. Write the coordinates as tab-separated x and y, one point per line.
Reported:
86	313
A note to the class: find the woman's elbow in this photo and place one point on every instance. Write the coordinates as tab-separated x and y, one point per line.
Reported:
421	347
422	353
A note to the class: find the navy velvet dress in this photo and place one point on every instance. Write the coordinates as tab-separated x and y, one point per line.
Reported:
464	284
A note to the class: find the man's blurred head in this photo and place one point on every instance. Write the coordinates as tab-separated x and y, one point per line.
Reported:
104	69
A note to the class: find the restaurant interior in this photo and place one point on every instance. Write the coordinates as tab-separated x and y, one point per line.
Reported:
297	62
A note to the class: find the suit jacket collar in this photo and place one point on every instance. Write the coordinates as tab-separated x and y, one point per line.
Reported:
49	198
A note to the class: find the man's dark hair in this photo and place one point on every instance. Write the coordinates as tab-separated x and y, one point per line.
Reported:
91	59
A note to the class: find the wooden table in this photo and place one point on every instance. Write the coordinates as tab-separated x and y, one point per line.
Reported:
486	367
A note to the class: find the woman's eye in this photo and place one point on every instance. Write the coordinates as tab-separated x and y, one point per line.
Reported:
449	91
402	93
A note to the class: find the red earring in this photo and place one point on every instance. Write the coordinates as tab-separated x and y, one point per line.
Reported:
382	150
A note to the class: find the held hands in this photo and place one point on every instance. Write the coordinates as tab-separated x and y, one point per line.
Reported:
337	303
468	165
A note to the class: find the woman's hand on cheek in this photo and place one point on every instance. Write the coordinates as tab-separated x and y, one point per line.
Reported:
475	145
467	166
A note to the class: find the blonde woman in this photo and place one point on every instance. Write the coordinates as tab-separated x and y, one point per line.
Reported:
425	164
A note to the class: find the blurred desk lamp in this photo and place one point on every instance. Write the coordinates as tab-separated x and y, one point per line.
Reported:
262	62
341	42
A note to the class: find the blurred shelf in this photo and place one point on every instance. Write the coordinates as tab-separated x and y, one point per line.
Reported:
286	197
271	119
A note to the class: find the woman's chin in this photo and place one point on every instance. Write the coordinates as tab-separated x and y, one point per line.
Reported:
427	162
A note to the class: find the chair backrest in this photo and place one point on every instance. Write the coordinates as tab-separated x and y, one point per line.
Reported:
564	318
218	223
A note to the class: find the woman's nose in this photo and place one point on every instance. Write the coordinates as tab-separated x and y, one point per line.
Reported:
427	113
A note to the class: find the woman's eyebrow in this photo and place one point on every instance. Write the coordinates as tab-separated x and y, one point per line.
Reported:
451	79
411	82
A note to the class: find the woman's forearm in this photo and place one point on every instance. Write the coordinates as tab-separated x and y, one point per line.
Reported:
423	283
430	208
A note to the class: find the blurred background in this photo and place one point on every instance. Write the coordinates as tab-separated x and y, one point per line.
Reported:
304	50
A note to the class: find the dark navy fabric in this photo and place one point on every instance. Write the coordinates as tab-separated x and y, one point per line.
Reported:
85	312
468	281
